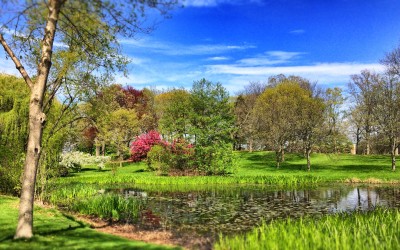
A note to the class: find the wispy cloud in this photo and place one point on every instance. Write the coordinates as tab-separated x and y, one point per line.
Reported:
218	58
338	69
171	49
270	58
213	3
297	32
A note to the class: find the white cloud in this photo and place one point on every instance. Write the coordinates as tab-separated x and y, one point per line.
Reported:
172	49
213	3
297	32
270	58
218	58
324	73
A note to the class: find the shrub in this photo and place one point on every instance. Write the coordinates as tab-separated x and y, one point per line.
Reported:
75	160
158	159
175	157
215	159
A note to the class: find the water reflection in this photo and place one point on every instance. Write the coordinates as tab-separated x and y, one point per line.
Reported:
237	209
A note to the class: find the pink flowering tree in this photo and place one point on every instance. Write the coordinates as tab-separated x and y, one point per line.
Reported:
143	143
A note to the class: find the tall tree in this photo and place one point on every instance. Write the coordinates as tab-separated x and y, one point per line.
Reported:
211	125
334	100
361	87
174	109
243	107
387	108
277	112
88	32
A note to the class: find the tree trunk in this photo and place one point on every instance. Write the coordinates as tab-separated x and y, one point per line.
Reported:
103	148
393	154
358	139
36	122
278	157
308	152
97	150
367	139
36	119
251	145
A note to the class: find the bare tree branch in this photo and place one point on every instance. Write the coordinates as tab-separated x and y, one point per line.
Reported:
16	61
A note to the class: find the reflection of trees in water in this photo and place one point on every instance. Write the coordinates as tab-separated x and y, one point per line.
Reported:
240	209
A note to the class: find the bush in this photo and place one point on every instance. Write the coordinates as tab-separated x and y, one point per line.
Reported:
75	160
158	159
215	159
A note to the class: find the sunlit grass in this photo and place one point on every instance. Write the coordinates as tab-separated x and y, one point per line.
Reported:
378	229
257	168
55	230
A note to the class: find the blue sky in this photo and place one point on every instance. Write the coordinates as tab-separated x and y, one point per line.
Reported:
237	41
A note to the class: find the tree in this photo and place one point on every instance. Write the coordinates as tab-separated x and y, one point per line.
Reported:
120	128
289	110
212	126
277	112
361	87
334	137
173	108
88	31
243	107
311	118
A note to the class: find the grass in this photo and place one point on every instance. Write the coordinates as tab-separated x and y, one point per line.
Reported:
53	230
80	192
257	168
378	229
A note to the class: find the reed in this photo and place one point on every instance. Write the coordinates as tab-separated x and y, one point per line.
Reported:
110	206
378	229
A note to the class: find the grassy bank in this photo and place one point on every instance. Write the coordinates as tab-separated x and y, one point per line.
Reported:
53	230
378	229
258	168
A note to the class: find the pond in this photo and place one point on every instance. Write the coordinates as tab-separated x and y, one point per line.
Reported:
234	209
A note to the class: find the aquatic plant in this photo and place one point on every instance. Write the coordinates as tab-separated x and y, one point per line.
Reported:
378	229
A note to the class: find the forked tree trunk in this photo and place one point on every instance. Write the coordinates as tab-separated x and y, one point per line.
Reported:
36	122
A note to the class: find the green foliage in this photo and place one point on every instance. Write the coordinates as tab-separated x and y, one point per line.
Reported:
174	108
176	158
212	126
216	159
14	103
158	159
378	229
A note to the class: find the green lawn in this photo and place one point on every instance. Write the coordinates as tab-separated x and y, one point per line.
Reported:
258	168
53	229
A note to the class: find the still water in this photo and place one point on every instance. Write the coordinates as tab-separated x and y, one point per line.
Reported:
233	209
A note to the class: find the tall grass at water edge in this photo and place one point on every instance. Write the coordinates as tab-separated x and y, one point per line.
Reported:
90	200
378	229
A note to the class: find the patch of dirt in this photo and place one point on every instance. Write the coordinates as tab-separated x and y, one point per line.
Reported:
164	237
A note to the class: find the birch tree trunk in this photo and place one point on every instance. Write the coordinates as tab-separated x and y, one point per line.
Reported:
36	123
